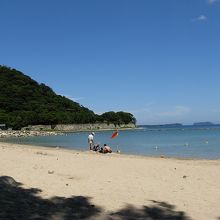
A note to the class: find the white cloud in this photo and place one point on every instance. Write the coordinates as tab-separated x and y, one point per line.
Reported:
152	114
216	110
98	113
145	109
201	18
212	1
75	99
177	111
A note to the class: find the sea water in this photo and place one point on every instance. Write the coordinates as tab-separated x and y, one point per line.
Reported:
181	142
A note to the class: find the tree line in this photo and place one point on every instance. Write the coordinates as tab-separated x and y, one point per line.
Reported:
23	101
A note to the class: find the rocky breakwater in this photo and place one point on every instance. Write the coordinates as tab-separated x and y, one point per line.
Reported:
6	134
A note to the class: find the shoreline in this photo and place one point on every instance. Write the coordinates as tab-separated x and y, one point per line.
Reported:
113	154
20	133
15	135
113	182
31	133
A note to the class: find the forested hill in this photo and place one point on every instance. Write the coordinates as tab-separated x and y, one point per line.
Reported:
24	101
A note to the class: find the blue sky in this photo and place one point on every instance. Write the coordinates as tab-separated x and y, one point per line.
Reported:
158	59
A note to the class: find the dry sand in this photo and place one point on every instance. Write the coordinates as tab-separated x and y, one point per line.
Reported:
95	186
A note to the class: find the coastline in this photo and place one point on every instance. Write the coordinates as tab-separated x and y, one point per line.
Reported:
20	133
87	151
115	182
29	133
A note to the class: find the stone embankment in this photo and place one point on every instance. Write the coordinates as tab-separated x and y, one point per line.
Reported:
47	130
79	127
6	134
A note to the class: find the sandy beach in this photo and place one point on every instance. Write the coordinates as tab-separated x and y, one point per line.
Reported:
49	183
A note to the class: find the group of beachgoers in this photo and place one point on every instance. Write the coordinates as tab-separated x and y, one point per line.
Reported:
96	147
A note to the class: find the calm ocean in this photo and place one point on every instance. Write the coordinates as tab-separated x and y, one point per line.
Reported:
182	142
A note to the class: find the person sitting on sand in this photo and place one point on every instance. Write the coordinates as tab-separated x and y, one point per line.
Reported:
96	147
106	149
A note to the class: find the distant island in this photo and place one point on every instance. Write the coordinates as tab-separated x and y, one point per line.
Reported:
174	125
178	125
203	124
24	102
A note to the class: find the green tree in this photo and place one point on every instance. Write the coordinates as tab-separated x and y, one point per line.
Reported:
24	101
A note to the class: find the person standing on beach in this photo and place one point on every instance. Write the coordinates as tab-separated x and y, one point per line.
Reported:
91	140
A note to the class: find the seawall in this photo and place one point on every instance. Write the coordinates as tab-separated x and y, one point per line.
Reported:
78	127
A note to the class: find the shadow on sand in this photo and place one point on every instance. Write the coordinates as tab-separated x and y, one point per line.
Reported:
159	210
24	204
17	203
